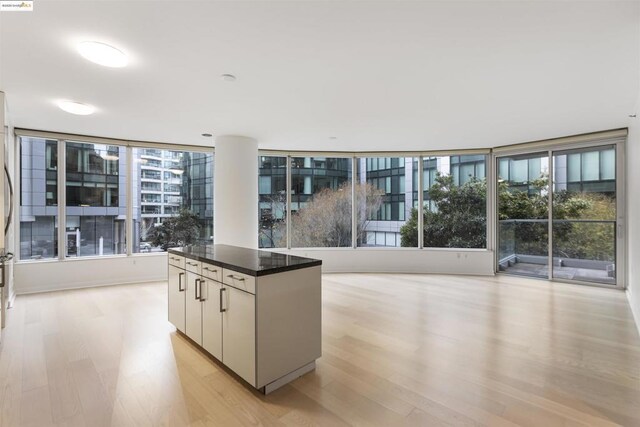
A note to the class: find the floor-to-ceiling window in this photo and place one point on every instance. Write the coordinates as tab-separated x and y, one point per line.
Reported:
384	197
272	203
321	202
455	201
557	214
95	196
523	214
584	214
172	198
38	198
79	193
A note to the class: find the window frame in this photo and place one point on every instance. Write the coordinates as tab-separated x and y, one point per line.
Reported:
369	161
62	139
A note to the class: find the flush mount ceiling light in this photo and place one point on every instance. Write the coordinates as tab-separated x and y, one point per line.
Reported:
228	77
103	54
76	108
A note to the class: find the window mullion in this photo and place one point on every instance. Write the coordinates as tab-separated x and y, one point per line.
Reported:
288	186
128	232
354	205
62	200
420	207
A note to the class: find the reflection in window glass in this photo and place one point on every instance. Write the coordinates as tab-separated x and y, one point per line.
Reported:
38	198
95	199
384	193
321	208
172	199
272	187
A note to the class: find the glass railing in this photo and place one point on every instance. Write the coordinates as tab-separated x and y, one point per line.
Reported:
583	249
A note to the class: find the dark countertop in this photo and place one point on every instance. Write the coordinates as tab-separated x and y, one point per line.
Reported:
248	261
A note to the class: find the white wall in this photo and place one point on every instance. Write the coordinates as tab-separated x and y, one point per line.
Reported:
378	260
7	145
42	276
9	242
633	216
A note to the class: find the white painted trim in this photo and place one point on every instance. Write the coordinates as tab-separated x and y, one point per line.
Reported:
100	285
564	142
110	141
634	310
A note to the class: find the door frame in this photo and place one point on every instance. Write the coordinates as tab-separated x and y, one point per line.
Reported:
621	229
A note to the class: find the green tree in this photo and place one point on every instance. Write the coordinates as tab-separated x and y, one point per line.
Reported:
180	230
458	219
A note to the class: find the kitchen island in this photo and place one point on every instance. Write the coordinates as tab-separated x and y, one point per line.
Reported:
257	312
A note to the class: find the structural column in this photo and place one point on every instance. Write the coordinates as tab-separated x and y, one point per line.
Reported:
235	206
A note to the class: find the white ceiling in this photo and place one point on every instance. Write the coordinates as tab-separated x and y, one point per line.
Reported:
377	75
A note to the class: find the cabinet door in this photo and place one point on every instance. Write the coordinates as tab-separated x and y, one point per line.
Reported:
177	283
238	333
193	308
212	317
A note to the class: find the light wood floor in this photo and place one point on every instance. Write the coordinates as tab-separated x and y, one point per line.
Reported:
397	350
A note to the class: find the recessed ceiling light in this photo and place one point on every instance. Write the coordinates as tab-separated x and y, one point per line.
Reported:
76	108
333	137
103	54
207	135
228	77
111	157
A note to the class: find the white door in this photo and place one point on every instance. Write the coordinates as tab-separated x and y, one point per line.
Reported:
238	333
194	308
177	282
212	317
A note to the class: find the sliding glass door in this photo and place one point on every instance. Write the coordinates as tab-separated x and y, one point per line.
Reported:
523	214
584	215
558	214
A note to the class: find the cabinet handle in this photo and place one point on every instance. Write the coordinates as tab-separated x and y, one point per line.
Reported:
215	270
192	263
195	289
240	279
180	288
222	310
201	298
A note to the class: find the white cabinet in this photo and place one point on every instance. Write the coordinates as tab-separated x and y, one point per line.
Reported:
238	333
212	317
193	317
177	294
264	327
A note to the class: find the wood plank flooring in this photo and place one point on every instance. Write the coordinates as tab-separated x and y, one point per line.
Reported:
416	350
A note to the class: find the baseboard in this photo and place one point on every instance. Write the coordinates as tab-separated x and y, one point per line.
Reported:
88	285
326	270
634	312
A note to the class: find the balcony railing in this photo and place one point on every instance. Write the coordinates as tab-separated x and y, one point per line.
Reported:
582	248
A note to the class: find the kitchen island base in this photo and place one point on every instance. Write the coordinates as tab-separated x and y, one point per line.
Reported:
256	312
